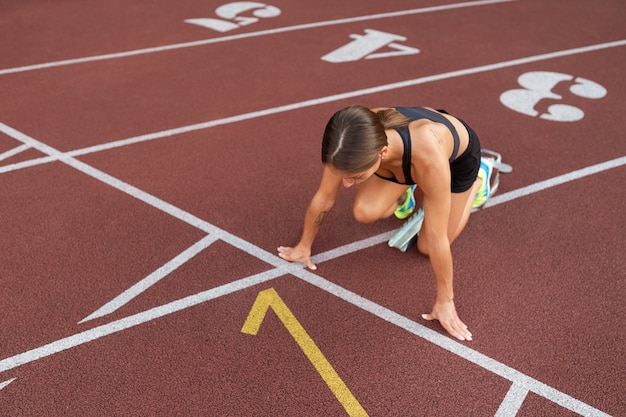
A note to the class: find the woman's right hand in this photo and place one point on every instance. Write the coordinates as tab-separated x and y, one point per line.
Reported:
297	254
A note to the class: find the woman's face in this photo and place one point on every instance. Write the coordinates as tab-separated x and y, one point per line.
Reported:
354	178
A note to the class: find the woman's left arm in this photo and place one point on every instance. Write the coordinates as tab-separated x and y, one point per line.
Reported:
433	177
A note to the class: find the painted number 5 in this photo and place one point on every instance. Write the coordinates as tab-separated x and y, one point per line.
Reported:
232	15
539	85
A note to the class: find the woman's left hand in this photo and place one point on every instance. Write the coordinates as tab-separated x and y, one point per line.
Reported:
445	313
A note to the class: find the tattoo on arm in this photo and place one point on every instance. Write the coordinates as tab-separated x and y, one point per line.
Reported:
321	217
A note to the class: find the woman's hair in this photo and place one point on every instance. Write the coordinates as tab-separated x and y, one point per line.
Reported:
355	135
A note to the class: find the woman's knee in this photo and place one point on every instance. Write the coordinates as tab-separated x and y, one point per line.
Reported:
364	214
369	213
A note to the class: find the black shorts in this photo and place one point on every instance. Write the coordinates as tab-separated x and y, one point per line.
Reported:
464	169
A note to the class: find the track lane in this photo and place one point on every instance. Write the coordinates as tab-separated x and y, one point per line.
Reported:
146	174
172	89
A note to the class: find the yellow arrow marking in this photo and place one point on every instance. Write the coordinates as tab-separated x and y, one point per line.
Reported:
270	298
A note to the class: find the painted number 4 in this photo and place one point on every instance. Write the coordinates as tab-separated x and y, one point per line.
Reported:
232	15
365	47
539	85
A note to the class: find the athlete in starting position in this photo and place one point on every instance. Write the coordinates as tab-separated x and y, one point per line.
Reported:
387	152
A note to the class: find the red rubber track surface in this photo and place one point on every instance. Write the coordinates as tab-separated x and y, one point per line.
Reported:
161	161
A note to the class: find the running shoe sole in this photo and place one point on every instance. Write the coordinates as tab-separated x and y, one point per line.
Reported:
402	238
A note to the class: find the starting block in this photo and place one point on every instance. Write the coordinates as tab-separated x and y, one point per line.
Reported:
402	238
405	235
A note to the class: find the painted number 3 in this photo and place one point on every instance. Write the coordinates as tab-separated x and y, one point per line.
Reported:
232	15
539	85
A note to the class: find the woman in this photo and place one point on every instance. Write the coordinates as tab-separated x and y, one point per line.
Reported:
386	150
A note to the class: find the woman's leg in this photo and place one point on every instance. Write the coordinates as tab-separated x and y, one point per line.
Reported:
376	199
460	210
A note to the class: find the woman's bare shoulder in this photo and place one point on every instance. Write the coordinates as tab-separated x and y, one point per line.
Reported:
429	143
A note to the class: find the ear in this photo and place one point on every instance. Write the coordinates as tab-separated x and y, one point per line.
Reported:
383	152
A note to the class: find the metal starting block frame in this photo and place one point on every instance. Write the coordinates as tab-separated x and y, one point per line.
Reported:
402	238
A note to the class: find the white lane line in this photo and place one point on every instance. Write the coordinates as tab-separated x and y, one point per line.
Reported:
519	379
384	313
415	328
493	201
12	152
450	345
342	96
27	164
139	318
5	383
248	35
146	198
310	103
248	247
151	279
351	247
552	182
297	270
512	401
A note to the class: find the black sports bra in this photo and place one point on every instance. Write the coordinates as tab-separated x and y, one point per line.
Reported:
416	113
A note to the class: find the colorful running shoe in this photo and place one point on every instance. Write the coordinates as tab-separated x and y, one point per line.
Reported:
405	209
484	191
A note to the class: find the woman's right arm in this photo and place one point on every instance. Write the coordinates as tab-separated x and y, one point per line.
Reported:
321	204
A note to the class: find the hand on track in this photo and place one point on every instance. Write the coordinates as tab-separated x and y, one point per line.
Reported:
445	313
297	254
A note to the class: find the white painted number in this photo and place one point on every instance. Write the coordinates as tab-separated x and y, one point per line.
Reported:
539	85
231	12
364	46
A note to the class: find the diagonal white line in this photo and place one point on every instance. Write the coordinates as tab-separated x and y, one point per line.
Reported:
92	334
5	383
151	279
498	368
139	318
351	247
144	51
146	197
450	345
298	271
13	152
27	164
515	396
